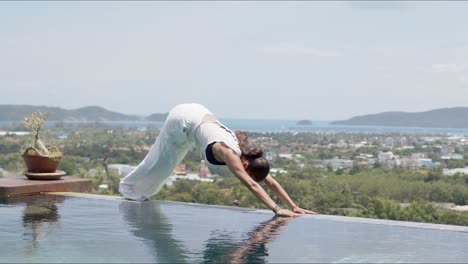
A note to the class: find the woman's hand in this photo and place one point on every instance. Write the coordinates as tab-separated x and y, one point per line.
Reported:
298	210
286	213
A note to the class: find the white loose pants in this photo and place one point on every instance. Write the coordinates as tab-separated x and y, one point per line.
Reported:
174	141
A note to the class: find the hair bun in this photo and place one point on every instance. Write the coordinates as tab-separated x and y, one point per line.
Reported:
254	153
248	149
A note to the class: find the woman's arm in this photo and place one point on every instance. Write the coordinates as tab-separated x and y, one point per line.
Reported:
283	195
258	239
234	163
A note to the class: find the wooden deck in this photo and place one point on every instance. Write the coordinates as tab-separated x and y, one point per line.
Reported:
23	186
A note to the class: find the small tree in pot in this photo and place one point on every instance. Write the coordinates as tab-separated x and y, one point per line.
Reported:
39	158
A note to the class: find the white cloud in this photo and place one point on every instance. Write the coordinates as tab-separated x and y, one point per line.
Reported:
449	68
464	79
348	46
293	49
27	84
389	5
460	52
376	5
389	51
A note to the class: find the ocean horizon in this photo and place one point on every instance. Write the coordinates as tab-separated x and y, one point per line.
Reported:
284	126
326	127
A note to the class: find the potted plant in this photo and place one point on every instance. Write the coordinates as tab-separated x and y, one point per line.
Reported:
38	158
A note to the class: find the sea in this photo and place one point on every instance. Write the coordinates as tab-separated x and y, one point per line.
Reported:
288	126
326	127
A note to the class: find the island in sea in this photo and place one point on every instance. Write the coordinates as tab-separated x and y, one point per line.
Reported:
304	123
455	117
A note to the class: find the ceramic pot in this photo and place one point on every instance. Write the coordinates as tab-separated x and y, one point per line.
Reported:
38	163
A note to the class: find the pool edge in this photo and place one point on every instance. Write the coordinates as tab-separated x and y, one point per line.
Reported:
360	220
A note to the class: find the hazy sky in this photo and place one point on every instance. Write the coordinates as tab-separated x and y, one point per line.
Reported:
276	60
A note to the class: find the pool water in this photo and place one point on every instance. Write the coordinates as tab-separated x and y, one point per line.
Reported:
54	228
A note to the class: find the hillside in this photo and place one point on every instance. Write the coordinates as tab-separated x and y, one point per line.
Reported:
157	117
85	114
456	117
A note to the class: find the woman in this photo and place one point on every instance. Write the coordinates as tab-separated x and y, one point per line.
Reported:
226	153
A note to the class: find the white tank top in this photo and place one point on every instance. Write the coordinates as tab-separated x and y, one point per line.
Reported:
209	132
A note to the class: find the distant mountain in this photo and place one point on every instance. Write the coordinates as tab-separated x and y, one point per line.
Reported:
85	114
456	117
157	117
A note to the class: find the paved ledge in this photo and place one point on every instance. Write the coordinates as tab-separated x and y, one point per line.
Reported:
359	220
23	186
90	196
373	221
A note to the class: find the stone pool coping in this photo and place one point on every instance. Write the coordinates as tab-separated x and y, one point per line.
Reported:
360	220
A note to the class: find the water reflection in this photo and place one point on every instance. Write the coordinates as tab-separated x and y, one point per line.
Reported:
39	215
147	221
221	248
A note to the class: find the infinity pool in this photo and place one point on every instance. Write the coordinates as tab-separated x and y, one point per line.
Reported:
54	228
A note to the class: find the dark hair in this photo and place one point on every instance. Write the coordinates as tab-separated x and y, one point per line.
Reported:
258	167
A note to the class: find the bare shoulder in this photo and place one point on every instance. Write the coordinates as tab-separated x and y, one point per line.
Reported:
222	152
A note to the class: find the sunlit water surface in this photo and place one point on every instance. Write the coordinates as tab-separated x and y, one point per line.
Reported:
50	228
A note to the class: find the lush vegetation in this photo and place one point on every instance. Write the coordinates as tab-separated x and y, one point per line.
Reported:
373	191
